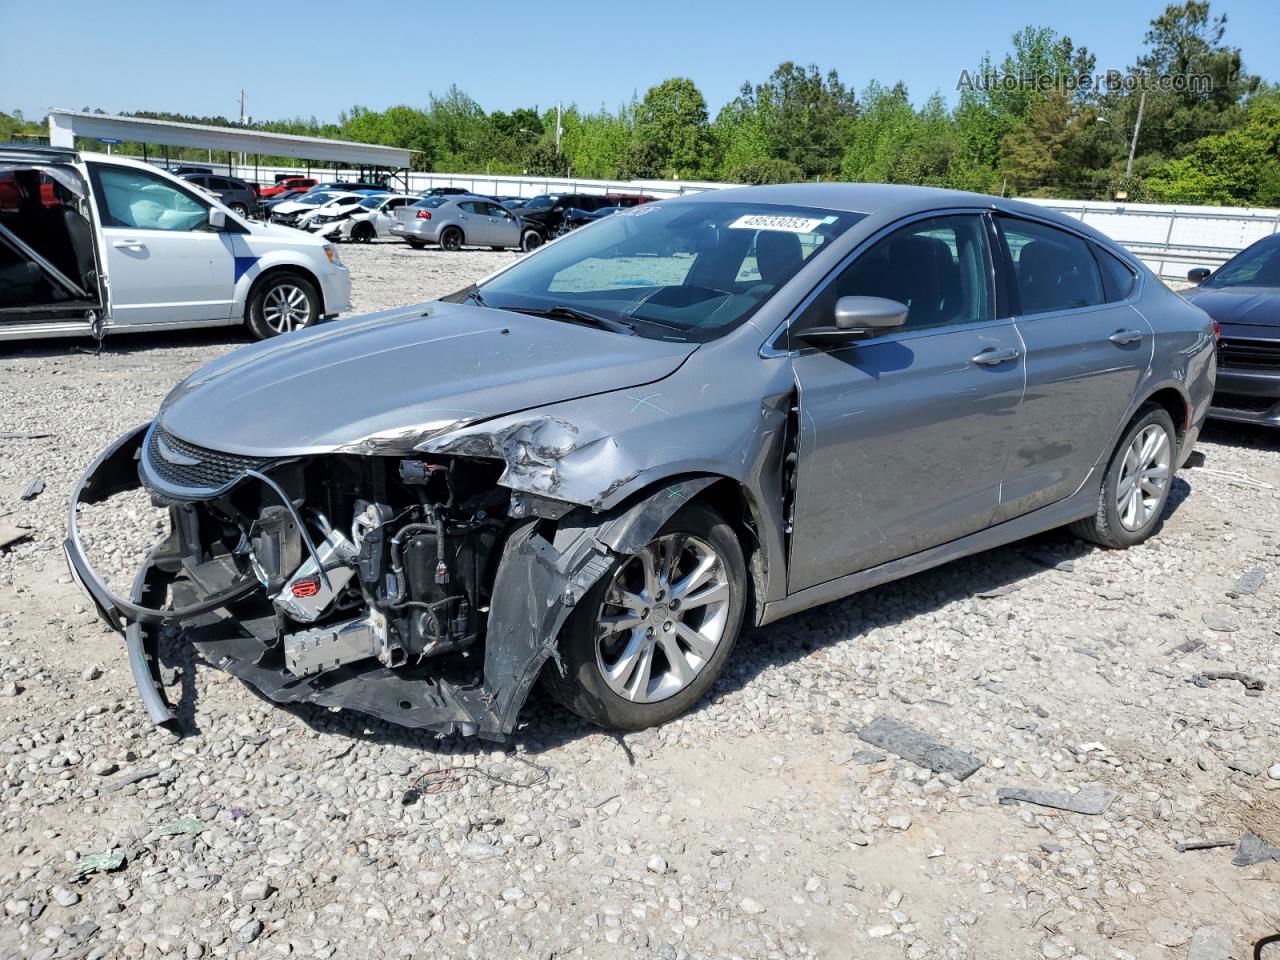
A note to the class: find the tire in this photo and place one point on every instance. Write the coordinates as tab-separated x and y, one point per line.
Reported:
1149	448
451	239
240	210
630	700
281	303
363	233
531	240
416	244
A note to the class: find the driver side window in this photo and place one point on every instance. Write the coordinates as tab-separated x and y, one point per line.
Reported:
939	268
133	198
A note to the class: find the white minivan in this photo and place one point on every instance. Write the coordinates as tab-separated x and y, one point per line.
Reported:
99	244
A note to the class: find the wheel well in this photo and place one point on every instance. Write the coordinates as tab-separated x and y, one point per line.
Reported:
273	272
1176	404
732	501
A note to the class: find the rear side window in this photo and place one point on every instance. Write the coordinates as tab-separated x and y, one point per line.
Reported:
1053	269
1118	278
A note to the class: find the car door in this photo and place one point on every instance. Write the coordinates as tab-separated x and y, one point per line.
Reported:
164	263
904	435
505	230
474	222
1086	352
385	215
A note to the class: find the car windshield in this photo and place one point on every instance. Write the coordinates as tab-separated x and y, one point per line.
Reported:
544	202
312	199
686	270
1257	266
370	202
432	202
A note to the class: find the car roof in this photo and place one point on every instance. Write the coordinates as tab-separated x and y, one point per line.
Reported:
896	200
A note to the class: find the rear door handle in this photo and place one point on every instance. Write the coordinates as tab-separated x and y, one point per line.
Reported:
990	357
1125	336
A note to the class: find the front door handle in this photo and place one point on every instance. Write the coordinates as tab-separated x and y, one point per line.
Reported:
1122	337
990	357
128	244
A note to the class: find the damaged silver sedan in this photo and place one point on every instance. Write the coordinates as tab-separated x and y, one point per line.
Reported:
598	464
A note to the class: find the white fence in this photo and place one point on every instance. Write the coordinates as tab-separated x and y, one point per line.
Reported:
1171	239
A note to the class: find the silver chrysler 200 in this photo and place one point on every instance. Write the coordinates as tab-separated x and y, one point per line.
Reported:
598	464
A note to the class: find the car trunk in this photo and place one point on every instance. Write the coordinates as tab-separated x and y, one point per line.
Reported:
49	264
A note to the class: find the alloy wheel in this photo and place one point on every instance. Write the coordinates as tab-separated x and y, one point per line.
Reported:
1144	477
662	618
285	308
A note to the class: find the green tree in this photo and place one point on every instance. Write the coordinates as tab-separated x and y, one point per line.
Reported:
672	121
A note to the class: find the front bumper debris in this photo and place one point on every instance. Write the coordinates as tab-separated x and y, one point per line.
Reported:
538	583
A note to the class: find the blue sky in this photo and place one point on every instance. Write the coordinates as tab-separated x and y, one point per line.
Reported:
316	58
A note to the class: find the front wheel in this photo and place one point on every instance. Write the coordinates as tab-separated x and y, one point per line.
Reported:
648	640
451	239
363	232
1136	485
531	240
416	244
280	304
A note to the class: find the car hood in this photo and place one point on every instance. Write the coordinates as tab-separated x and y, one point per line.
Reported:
1239	306
388	382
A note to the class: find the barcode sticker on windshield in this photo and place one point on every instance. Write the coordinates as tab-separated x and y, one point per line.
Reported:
761	221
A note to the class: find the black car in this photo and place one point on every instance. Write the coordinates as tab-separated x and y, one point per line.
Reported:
547	211
574	217
235	193
1243	297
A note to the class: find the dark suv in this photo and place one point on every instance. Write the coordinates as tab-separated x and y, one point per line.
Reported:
546	212
235	193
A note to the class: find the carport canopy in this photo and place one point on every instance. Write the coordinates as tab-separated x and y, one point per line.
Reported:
66	125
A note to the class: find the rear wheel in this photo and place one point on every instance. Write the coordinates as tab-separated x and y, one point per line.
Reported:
240	210
531	240
648	640
1137	482
451	239
280	304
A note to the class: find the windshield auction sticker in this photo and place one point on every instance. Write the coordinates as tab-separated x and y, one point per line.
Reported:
760	221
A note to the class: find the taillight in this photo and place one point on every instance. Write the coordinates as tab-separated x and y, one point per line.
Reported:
424	214
1217	331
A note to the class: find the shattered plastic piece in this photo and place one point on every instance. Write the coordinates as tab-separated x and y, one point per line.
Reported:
889	733
1090	801
187	825
1001	591
99	863
1188	646
34	489
1249	583
1253	849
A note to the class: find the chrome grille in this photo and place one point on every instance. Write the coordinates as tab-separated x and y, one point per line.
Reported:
210	470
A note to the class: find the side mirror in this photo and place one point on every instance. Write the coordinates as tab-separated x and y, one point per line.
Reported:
217	219
857	318
1199	274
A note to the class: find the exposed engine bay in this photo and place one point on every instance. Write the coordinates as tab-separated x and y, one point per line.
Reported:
413	588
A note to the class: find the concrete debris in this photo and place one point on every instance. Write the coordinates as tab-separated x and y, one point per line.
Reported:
1209	943
1249	583
9	535
1091	801
889	733
1218	622
1253	849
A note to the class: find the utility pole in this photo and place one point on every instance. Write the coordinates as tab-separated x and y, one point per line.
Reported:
243	121
1137	125
559	128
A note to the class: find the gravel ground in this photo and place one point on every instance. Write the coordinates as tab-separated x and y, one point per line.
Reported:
760	825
